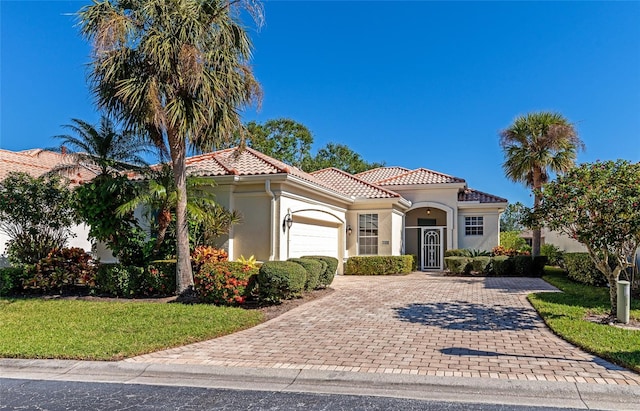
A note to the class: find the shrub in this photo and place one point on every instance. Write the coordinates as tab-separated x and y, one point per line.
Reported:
522	265
481	264
223	282
280	280
553	253
36	213
511	240
379	265
314	268
160	278
11	279
581	268
62	268
457	252
479	253
502	266
458	265
130	281
326	278
204	254
500	250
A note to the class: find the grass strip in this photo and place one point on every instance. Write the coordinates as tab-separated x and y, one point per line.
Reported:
565	313
89	330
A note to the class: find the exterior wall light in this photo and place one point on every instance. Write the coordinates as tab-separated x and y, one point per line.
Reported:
287	222
428	211
349	230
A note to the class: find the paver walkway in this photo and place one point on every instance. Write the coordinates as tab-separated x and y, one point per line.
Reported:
416	324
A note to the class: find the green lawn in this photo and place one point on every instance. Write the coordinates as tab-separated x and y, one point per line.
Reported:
564	313
73	329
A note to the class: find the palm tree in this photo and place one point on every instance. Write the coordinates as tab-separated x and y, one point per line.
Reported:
100	146
177	71
158	197
535	145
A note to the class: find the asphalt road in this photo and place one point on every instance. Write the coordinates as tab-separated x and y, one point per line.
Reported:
18	394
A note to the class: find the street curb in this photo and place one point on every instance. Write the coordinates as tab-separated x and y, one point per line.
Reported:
477	390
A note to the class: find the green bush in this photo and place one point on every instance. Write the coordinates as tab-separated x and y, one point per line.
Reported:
61	269
458	265
119	280
522	265
314	268
379	265
502	266
539	262
414	262
553	253
457	252
280	280
581	268
481	264
326	278
11	279
511	240
223	282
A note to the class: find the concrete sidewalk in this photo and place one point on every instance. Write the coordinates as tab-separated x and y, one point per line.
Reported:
472	390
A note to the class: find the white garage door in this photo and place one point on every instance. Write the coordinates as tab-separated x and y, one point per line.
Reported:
313	238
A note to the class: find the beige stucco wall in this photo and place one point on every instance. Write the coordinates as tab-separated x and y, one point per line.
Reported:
389	230
251	237
396	232
491	235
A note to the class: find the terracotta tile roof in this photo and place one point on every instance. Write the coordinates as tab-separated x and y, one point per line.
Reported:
381	173
247	162
37	162
419	176
352	185
469	194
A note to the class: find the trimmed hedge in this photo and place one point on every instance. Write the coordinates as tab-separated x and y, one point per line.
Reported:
280	280
502	266
458	264
379	265
457	252
326	278
481	264
580	268
315	268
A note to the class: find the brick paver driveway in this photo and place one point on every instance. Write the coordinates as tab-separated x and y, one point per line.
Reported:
415	324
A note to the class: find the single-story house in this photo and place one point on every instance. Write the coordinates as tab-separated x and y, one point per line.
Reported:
287	212
385	211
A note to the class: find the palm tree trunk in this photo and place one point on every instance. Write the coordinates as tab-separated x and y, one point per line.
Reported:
537	199
184	274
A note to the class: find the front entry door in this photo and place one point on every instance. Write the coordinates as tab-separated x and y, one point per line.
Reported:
432	249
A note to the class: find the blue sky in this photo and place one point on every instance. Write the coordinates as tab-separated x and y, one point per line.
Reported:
414	84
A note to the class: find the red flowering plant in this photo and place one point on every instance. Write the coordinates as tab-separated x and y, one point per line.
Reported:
204	254
223	282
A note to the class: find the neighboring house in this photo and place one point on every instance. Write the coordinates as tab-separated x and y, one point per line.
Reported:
385	211
560	240
37	162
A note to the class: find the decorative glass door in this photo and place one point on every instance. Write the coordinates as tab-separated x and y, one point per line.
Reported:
432	250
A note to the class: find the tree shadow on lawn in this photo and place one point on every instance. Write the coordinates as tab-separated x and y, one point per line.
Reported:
466	316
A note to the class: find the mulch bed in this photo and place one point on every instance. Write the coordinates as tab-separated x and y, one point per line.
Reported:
612	320
269	311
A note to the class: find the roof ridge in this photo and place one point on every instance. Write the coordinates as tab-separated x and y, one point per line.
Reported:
485	193
379	168
267	159
354	177
439	173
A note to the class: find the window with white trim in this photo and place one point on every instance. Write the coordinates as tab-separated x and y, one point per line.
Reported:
368	234
474	226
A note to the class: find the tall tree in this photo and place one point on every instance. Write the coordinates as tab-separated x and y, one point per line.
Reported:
513	217
102	146
176	70
535	145
339	156
284	139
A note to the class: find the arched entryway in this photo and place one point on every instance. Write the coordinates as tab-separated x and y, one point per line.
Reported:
428	234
